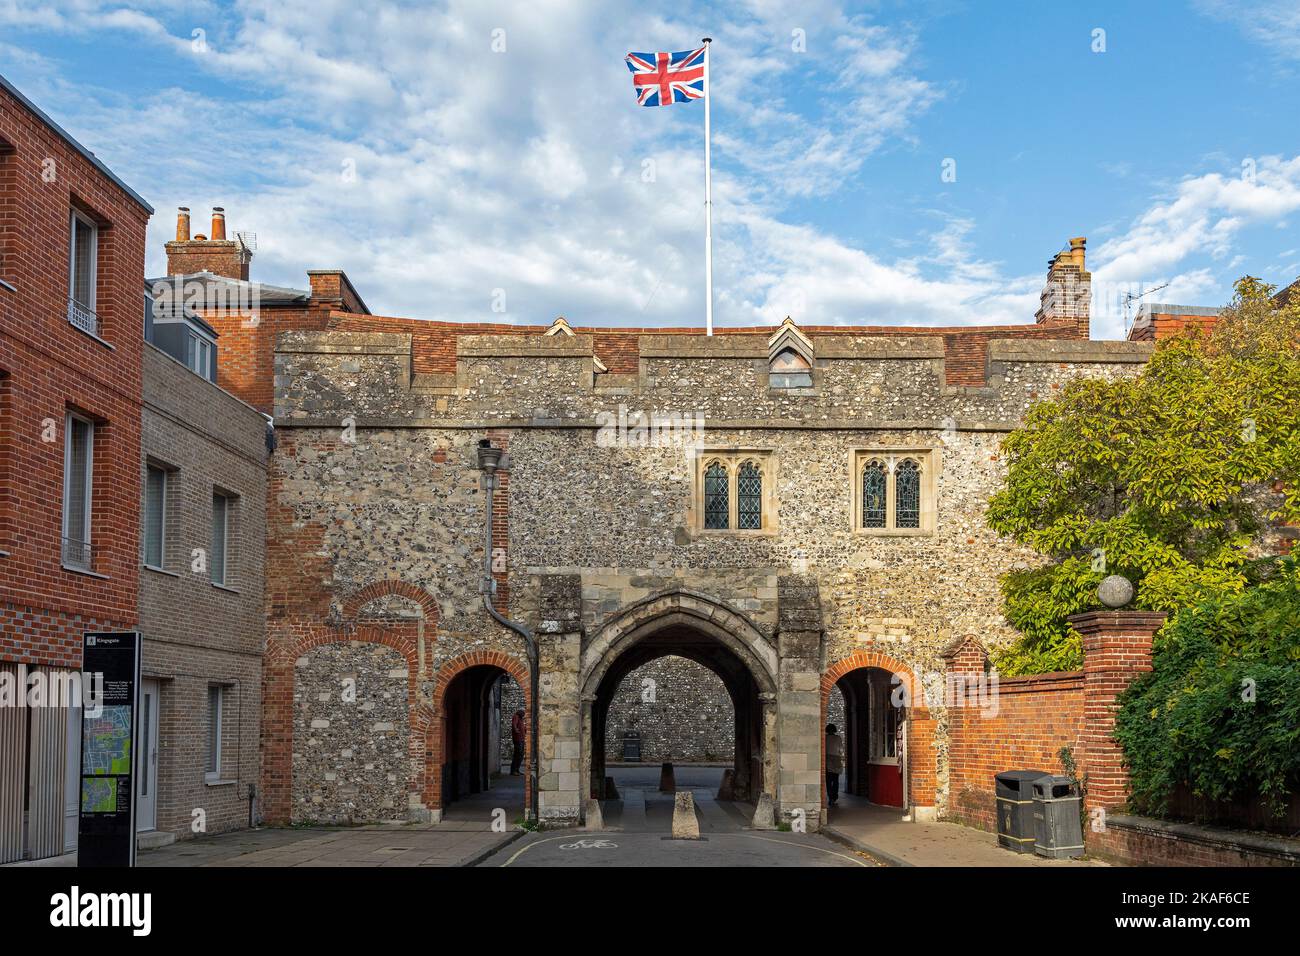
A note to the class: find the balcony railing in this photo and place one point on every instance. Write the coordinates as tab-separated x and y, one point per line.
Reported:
76	554
82	317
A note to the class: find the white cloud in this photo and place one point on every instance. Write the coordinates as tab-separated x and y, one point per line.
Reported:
1274	24
529	170
1201	221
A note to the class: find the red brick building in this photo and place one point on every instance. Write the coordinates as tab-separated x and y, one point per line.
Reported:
71	308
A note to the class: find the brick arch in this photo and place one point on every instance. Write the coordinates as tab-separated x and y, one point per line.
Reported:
279	680
922	770
435	721
353	604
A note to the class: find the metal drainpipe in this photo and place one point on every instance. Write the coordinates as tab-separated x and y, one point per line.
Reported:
489	588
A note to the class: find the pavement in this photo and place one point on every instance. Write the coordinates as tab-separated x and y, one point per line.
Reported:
637	828
883	833
465	837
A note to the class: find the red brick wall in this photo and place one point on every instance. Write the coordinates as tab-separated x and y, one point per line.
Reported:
1137	842
1036	716
50	367
246	349
1162	325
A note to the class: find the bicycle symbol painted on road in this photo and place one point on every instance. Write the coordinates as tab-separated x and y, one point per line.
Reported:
590	845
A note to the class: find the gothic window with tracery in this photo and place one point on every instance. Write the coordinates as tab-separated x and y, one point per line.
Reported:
717	507
749	497
873	494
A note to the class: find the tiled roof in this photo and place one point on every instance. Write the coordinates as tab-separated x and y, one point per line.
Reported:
266	294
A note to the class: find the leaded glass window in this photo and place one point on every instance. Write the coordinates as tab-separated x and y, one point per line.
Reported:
716	508
873	495
907	494
749	497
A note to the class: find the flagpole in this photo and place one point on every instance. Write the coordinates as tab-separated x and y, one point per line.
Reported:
708	202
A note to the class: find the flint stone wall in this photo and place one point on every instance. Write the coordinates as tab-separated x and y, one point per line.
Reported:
400	499
350	761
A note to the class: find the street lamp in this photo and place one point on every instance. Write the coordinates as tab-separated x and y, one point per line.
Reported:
490	460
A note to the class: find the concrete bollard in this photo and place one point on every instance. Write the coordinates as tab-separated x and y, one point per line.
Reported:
764	813
667	782
611	791
727	789
595	819
685	825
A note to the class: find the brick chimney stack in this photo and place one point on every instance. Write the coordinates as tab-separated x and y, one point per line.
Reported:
1067	294
217	254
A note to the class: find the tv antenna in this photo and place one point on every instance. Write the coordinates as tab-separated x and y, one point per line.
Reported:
1130	298
248	240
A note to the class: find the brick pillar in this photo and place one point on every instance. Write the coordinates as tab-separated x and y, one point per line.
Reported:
1116	649
276	797
966	658
922	783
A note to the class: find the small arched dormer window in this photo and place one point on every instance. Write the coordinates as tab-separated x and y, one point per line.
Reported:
907	494
749	497
716	505
789	369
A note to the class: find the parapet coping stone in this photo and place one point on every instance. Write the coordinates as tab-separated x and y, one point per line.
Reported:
590	424
1065	350
718	347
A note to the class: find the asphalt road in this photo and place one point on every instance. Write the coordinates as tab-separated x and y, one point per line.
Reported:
610	848
639	823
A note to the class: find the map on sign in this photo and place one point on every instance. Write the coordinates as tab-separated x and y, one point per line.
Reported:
107	745
98	795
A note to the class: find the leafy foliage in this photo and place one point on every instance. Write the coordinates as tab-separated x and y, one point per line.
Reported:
1220	711
1168	477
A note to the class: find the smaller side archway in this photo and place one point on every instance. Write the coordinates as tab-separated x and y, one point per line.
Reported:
889	749
461	744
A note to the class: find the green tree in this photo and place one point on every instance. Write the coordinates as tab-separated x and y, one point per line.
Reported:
1167	477
1220	710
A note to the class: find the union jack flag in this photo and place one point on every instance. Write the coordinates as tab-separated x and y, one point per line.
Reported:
662	79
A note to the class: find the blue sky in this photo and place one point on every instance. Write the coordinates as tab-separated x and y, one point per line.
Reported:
456	157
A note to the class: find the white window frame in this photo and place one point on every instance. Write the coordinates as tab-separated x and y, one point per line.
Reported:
216	716
203	347
880	696
69	418
77	214
162	519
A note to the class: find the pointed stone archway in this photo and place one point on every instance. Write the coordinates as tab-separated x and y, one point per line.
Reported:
700	628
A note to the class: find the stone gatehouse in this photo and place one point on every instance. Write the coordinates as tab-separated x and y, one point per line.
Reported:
797	510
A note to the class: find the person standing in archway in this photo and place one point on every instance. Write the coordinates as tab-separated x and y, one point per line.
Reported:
517	738
834	763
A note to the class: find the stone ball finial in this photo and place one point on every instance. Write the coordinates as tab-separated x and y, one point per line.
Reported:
1116	591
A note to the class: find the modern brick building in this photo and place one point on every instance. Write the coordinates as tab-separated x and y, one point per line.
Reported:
202	577
71	316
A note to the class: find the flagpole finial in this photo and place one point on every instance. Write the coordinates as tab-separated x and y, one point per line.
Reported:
707	40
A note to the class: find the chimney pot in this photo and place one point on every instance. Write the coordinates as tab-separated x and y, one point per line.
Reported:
218	223
1077	250
183	224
